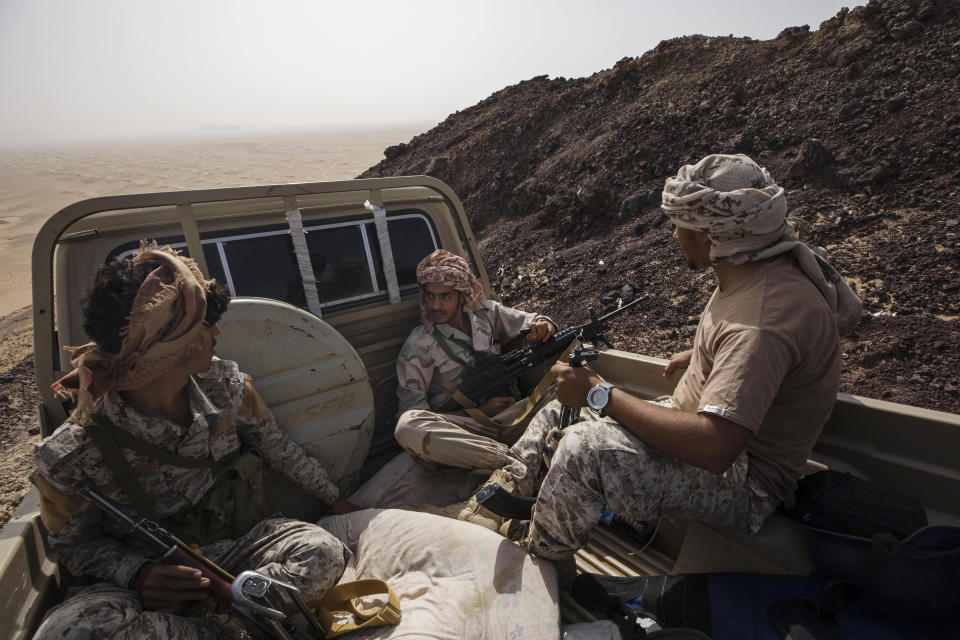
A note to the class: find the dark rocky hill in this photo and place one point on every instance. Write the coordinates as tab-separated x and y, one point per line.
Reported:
858	120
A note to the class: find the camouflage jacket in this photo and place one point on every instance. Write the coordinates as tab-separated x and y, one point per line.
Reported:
423	367
227	414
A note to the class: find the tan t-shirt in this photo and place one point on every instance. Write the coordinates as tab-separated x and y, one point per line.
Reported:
767	357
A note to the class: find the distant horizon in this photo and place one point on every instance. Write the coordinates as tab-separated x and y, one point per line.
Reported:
212	132
110	70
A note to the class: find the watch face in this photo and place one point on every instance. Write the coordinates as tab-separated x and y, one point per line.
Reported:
597	397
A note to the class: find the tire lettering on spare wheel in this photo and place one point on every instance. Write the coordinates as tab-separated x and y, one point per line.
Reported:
315	412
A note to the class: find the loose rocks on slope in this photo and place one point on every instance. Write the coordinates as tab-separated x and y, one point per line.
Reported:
857	120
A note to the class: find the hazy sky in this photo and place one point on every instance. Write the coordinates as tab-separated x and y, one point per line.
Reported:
73	69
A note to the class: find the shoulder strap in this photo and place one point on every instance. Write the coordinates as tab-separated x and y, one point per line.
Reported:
118	464
444	342
129	441
109	438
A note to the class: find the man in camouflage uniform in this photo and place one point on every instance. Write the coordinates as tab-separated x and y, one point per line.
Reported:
161	385
457	322
759	384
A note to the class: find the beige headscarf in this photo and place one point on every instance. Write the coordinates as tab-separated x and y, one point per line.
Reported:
738	205
449	270
164	326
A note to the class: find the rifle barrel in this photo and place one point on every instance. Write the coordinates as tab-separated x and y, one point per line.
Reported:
173	551
490	379
139	526
621	309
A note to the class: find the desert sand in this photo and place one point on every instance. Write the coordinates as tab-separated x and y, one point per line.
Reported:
37	182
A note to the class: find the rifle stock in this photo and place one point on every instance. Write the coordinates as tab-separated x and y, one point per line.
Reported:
220	583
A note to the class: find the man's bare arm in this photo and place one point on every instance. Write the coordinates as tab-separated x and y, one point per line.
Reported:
678	362
703	440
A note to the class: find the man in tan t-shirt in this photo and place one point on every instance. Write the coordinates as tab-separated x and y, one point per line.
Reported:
758	388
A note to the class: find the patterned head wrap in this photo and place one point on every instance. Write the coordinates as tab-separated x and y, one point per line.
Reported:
738	205
734	201
164	326
449	270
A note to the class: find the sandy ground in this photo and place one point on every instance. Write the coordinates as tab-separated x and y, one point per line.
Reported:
37	182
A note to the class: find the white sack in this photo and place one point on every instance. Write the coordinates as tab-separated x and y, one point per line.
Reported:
453	579
403	483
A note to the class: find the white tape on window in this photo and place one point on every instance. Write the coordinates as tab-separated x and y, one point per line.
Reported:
386	250
302	253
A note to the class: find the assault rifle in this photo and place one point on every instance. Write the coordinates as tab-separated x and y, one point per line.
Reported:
495	498
495	375
260	598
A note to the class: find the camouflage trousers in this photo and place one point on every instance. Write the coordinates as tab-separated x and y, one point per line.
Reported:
459	440
297	552
597	464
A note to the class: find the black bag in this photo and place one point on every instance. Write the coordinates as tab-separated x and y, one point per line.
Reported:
843	503
739	606
876	548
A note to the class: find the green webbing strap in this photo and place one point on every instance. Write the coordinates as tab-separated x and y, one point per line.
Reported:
120	468
109	438
129	441
444	342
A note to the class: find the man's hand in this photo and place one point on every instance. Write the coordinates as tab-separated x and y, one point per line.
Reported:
341	505
167	585
495	405
539	331
677	362
573	383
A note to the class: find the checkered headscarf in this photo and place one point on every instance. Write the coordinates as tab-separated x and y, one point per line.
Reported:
449	270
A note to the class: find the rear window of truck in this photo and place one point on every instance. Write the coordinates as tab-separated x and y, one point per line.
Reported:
345	255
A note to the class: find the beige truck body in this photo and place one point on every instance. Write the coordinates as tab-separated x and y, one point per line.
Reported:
368	301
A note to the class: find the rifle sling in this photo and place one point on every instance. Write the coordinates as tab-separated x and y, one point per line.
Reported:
530	402
118	464
444	342
109	438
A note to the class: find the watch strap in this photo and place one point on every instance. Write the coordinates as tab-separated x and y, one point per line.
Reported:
609	387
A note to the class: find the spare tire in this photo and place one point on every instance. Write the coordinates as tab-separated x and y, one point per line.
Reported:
310	377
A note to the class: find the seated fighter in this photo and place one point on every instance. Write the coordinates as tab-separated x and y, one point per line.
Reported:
760	382
193	436
456	324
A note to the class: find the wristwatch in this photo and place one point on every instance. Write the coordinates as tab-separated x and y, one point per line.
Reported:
599	396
